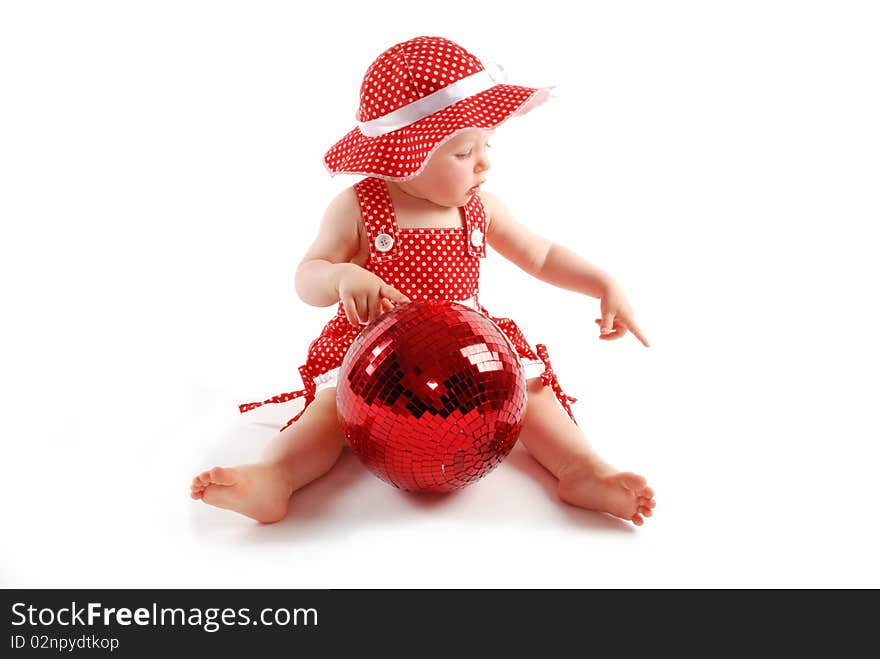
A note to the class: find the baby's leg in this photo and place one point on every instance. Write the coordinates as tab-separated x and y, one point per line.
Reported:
585	479
293	458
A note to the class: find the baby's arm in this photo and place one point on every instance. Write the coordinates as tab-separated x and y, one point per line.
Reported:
559	266
326	275
548	261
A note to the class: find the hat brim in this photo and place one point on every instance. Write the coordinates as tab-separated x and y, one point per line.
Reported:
402	154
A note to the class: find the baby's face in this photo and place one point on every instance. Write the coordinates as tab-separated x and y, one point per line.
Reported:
455	169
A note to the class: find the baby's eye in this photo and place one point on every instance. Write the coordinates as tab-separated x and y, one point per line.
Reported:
470	151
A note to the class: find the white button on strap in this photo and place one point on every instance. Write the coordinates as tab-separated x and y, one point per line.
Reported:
384	242
476	238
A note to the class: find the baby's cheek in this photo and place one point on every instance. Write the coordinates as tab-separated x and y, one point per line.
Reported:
460	185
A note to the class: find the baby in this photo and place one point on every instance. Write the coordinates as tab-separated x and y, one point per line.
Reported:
416	229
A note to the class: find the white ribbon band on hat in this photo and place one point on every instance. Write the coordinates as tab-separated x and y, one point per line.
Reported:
492	75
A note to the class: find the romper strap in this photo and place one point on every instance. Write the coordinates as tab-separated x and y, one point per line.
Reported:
380	222
475	221
308	392
549	379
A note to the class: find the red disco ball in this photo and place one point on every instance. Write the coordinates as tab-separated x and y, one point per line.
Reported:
431	396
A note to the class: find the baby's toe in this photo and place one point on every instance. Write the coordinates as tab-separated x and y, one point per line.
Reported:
637	520
633	482
222	476
647	512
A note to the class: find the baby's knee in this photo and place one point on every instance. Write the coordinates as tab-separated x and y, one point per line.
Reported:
536	387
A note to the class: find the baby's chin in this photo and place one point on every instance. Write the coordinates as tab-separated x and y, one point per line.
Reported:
452	202
468	195
452	199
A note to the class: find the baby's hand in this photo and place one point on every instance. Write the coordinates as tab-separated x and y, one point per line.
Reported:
365	296
617	317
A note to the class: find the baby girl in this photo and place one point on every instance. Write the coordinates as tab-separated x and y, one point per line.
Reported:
416	229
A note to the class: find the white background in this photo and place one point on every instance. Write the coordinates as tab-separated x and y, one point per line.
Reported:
161	176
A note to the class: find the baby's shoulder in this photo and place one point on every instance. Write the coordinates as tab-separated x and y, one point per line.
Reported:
341	220
343	213
491	203
344	205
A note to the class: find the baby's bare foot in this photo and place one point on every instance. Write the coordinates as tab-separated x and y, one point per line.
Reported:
256	490
620	493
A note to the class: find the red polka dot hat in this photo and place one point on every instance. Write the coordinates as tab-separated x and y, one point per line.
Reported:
416	96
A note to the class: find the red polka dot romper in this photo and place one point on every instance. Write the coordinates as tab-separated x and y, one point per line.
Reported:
423	264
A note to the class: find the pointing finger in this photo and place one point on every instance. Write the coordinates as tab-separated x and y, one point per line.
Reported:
638	333
393	294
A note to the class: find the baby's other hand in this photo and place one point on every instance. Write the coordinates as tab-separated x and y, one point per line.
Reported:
365	296
617	317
